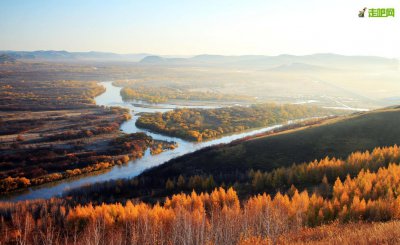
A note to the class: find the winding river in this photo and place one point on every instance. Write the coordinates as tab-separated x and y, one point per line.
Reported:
112	97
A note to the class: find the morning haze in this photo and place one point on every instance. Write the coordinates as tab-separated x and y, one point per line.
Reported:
199	122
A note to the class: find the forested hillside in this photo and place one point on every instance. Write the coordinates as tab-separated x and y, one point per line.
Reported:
219	217
336	137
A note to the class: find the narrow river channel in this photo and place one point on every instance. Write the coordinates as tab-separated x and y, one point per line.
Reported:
112	97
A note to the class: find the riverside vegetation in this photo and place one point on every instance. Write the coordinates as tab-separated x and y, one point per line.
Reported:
206	124
53	130
165	94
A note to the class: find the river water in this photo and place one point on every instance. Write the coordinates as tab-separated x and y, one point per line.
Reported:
112	97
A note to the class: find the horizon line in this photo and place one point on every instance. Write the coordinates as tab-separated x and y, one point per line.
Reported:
194	55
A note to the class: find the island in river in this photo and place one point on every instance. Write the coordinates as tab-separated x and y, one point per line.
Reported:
111	101
53	130
204	124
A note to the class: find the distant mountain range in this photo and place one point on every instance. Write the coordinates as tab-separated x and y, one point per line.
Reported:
51	55
280	62
276	63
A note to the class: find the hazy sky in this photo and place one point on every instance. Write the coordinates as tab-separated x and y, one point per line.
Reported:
203	26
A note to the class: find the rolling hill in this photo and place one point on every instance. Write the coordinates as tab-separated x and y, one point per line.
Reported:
236	164
333	138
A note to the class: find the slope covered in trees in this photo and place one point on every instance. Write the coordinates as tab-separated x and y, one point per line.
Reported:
317	176
365	188
205	124
215	218
337	138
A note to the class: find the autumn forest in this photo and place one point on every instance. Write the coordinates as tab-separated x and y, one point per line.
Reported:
193	126
219	216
